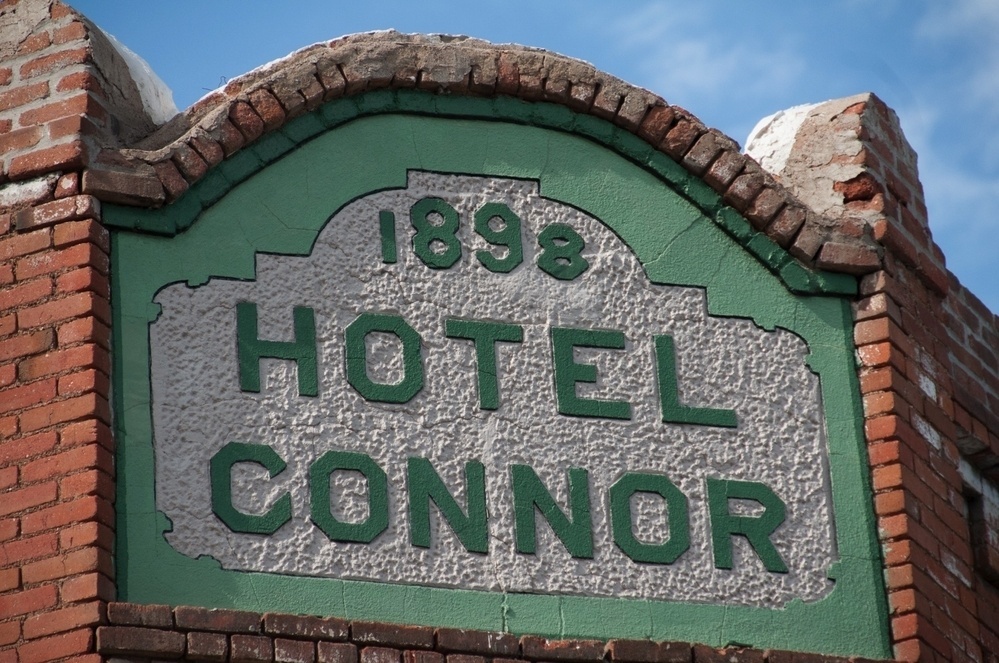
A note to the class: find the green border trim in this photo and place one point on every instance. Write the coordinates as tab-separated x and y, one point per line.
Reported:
221	179
851	620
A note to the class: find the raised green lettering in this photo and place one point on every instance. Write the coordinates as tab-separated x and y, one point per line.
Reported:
251	349
530	495
568	373
220	471
426	485
357	358
672	411
756	529
320	479
485	335
622	522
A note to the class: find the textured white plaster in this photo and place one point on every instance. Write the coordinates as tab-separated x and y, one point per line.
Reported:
157	97
771	140
722	363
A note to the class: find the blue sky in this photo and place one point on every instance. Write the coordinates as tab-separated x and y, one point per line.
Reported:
729	63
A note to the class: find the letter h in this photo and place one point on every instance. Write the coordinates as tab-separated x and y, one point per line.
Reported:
252	349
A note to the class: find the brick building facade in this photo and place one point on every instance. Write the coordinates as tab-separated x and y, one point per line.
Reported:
74	136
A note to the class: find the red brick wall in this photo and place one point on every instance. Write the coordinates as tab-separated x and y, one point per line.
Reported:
56	447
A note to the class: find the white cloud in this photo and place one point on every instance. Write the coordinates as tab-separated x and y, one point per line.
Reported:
689	62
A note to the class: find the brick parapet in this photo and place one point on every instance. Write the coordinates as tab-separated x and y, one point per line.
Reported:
161	167
65	91
928	376
159	632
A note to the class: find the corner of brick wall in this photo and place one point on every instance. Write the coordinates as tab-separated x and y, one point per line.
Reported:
927	353
56	446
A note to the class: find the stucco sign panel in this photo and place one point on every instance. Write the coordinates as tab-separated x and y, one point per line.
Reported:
517	384
587	424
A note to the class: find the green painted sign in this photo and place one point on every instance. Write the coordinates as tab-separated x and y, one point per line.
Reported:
490	365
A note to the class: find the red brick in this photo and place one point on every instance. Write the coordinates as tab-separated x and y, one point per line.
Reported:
137	641
91	482
889	476
8	426
86	587
173	182
88	355
133	614
26	344
207	647
28	292
204	619
71	32
6	73
337	652
890	502
87	534
55	647
9	579
68	156
422	656
477	642
230	138
884	453
10	633
84	330
8	477
20	139
27	601
189	162
8	324
294	651
246	120
67	619
209	150
26	549
53	61
80	80
9	528
30	394
84	279
537	648
33	43
26	447
73	563
27	498
60	515
57	211
68	185
23	95
394	635
79	407
380	655
301	626
76	256
23	244
8	373
251	649
6	272
76	459
66	308
73	126
84	432
83	382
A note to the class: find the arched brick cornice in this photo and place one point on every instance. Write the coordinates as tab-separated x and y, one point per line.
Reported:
159	168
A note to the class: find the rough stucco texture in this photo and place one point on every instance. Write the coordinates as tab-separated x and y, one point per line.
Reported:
721	363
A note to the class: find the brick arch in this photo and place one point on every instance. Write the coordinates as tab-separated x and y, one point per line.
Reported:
159	168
